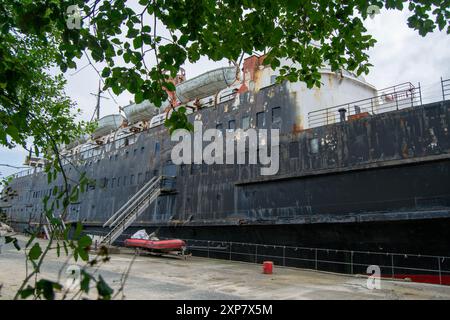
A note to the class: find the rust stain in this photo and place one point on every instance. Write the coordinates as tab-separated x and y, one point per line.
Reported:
296	128
251	70
358	116
405	152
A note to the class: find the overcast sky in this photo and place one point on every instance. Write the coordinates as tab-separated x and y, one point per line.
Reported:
400	55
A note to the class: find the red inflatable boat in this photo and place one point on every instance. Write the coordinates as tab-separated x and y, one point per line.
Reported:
162	246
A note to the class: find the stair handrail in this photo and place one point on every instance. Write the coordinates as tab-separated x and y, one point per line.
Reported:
128	218
147	190
127	204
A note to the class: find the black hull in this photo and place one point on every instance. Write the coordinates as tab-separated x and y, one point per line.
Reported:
413	249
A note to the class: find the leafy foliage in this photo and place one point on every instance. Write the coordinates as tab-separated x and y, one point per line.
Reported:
310	33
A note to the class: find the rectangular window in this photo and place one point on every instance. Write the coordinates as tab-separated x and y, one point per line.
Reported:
118	181
113	182
260	120
182	169
293	150
232	124
132	179
276	115
195	168
125	180
246	122
139	178
219	126
157	147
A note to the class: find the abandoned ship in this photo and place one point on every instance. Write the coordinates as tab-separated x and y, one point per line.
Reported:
359	168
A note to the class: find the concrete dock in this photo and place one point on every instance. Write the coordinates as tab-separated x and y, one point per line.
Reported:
166	277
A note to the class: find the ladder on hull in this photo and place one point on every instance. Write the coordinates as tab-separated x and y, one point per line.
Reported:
133	208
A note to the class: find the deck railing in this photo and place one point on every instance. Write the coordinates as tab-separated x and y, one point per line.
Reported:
397	97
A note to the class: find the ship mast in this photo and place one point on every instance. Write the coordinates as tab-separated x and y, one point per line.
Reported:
99	96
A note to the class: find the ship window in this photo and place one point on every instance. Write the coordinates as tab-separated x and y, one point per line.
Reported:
116	157
126	154
142	149
125	180
147	175
260	120
293	150
232	124
195	168
182	169
245	122
92	185
139	178
156	147
219	126
314	144
113	182
118	181
276	115
134	151
132	179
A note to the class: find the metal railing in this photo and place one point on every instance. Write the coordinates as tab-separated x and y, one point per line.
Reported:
394	98
445	85
435	269
420	268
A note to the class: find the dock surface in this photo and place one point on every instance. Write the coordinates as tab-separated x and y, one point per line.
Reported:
167	277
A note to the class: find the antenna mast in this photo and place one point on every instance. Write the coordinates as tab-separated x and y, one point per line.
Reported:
99	96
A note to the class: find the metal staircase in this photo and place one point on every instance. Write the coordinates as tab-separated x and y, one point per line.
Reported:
134	207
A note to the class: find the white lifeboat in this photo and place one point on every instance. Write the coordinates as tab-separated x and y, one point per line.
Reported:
206	84
107	124
141	111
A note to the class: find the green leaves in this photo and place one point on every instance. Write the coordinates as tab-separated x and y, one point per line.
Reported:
83	247
137	42
104	291
178	120
35	252
14	241
44	288
47	288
